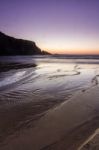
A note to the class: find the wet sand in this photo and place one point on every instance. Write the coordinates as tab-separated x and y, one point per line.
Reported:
92	143
66	127
10	66
52	106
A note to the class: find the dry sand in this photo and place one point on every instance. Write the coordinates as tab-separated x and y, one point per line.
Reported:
66	127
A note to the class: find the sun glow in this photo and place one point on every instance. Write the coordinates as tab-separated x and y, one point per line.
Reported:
71	46
72	51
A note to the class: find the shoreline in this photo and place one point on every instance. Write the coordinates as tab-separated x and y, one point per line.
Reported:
65	127
4	67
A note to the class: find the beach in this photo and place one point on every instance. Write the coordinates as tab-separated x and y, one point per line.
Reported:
93	143
52	105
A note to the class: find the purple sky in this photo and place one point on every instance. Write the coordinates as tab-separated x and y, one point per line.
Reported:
62	26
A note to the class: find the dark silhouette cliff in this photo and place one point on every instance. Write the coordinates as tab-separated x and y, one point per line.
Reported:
13	46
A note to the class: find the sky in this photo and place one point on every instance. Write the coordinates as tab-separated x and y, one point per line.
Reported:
58	26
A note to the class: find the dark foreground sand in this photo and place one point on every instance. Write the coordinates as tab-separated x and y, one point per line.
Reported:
92	143
66	127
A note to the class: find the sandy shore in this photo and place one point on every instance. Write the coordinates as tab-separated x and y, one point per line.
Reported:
9	66
66	127
92	143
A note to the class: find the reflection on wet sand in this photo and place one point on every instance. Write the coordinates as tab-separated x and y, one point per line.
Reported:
38	104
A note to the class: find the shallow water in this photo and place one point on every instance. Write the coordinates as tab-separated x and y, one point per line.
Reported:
26	93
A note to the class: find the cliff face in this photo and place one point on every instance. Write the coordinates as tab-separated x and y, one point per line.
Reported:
13	46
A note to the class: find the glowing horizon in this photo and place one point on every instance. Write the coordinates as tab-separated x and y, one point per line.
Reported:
71	45
74	52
